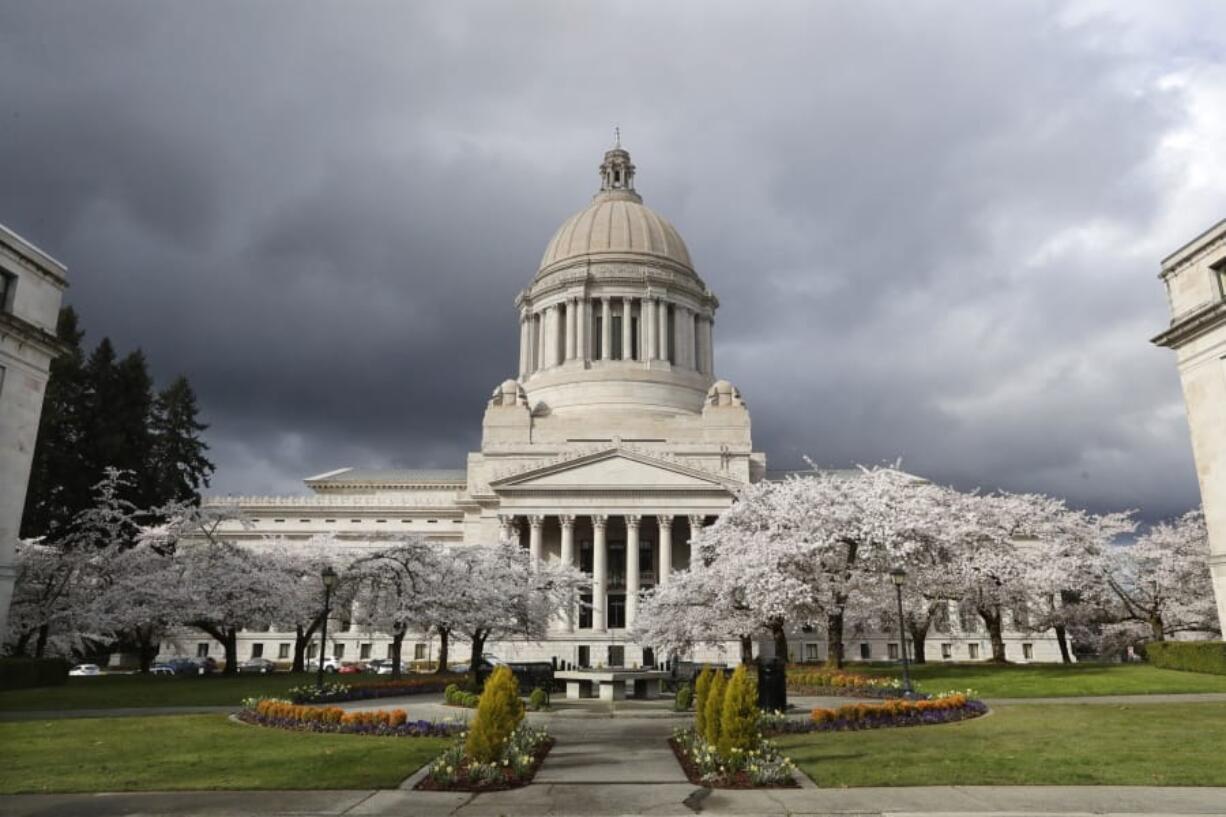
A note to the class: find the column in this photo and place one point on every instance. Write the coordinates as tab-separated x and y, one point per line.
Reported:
600	573
505	523
696	521
708	328
665	340
606	329
632	569
523	346
570	329
700	343
568	559
652	352
627	334
540	340
666	547
583	345
535	525
679	321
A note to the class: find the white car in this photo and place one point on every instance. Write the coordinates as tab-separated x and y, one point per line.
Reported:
81	670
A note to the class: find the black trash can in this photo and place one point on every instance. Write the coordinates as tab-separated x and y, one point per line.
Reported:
772	685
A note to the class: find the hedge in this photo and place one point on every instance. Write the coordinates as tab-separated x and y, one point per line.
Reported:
1191	656
22	673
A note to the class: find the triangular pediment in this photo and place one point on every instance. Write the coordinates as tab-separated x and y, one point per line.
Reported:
615	469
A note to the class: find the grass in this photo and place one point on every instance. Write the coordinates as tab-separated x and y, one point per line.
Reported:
1051	680
1029	744
192	752
118	691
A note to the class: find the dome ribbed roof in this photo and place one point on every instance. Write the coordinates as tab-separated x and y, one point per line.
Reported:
616	223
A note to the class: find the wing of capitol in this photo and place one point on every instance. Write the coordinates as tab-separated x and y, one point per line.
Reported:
612	446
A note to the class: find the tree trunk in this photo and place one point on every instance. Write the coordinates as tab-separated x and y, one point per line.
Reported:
444	645
474	659
919	635
40	645
1062	640
146	649
302	640
834	639
398	631
780	636
747	649
1155	628
231	645
993	619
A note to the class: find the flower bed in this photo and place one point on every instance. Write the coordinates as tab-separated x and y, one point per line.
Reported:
520	758
945	708
364	690
302	718
761	767
807	681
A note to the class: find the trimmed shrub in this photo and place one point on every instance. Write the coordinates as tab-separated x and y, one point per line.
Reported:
685	696
23	673
738	727
500	710
714	707
702	689
1190	656
538	699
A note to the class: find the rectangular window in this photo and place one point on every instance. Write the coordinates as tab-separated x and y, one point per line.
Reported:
1028	652
283	651
968	619
202	649
617	656
364	652
597	338
585	556
585	655
947	651
892	651
616	342
973	651
617	612
8	290
585	613
312	651
1219	271
649	657
940	617
338	651
866	651
257	650
419	652
811	655
634	340
1021	617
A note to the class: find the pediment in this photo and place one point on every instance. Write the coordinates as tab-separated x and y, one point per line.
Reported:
611	471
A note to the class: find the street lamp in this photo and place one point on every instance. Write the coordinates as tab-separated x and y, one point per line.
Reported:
899	576
329	578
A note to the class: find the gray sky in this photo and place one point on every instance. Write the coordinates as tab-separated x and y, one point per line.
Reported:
934	228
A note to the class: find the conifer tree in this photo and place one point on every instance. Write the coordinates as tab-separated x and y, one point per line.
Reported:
498	713
739	719
179	464
702	690
715	707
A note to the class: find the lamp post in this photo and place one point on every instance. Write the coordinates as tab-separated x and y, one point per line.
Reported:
898	576
329	578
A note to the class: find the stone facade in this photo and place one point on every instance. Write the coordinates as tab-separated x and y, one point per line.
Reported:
31	285
1195	279
612	446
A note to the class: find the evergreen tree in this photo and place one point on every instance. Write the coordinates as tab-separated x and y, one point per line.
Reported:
119	410
179	464
60	487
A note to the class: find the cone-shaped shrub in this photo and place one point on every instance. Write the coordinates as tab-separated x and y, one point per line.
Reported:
715	707
738	727
498	713
702	688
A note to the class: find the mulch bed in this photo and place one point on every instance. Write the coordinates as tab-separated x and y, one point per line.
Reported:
740	780
507	782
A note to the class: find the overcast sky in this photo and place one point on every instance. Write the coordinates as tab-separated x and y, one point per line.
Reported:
934	229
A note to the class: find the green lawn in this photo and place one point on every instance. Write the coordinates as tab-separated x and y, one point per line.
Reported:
114	691
1029	744
1051	680
187	752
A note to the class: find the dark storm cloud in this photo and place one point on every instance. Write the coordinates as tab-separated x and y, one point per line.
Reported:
933	230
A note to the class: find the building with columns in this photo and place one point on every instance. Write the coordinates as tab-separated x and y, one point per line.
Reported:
611	447
1195	279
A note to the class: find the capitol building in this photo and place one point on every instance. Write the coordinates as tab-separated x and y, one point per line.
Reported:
610	447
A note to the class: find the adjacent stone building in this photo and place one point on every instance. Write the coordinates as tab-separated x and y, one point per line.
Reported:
1195	279
614	443
31	285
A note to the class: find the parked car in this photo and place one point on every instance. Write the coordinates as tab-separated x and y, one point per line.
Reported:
486	663
258	665
85	670
189	666
330	664
351	667
384	666
161	669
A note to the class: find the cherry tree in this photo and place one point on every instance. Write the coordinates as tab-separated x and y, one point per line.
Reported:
298	567
1163	579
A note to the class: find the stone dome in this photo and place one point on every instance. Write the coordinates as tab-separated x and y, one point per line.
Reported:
616	224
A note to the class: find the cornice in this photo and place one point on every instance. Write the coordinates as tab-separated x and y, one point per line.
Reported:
1191	251
27	332
1192	326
